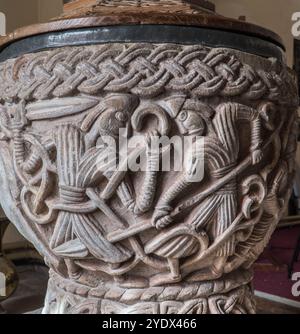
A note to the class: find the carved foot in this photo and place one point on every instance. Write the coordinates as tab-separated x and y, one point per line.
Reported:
203	276
132	282
74	272
88	280
162	279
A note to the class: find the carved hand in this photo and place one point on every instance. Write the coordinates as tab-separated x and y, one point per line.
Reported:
161	218
257	156
130	206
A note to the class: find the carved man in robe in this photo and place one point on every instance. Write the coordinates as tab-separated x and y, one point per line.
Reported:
221	153
79	234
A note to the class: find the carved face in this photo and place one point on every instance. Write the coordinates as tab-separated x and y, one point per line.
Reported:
13	114
111	121
116	113
190	122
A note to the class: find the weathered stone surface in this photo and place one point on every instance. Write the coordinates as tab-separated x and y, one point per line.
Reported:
147	242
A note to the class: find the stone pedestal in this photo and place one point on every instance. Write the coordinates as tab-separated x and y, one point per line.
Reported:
150	241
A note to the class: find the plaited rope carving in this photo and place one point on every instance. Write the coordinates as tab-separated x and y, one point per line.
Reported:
143	69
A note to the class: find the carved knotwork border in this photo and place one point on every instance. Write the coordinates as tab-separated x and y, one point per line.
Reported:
145	70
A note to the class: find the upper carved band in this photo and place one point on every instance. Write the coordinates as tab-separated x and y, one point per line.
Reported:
145	70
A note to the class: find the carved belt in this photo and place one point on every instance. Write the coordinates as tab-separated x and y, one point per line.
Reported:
72	195
74	200
221	172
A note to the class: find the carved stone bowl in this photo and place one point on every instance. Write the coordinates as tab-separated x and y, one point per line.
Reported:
146	241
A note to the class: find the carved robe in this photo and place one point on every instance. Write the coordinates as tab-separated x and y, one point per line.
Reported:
221	160
78	234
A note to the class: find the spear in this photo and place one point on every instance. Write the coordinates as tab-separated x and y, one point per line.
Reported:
143	226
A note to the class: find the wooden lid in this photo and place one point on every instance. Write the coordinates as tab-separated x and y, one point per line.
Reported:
118	7
95	13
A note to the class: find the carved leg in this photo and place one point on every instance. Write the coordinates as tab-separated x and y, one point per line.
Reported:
73	270
175	269
145	200
168	278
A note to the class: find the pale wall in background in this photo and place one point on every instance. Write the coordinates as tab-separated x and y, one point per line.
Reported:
25	12
49	9
19	12
272	14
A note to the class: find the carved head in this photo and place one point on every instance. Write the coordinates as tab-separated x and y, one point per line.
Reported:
12	115
111	114
118	109
194	118
267	111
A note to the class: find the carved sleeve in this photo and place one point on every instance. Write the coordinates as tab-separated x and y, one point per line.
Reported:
251	115
124	193
228	114
256	138
174	191
145	200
